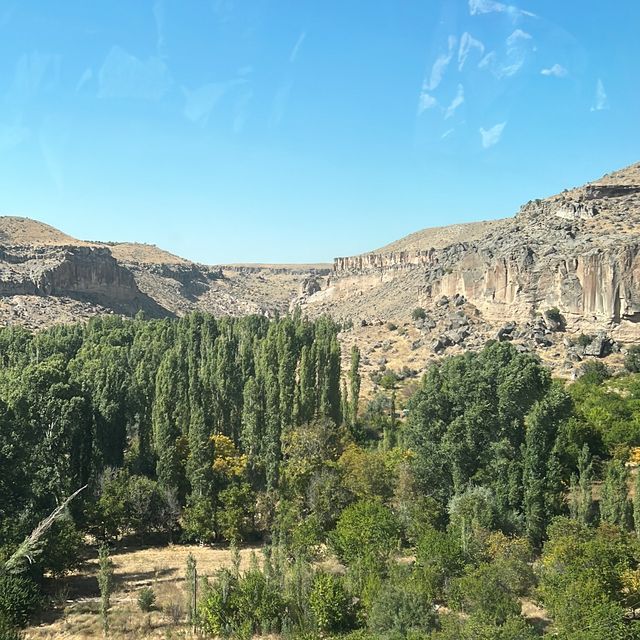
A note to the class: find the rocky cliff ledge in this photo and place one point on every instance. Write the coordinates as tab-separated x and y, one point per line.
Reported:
85	272
578	251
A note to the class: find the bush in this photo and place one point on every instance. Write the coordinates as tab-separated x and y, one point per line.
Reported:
391	326
9	632
439	558
146	599
61	553
143	505
584	340
197	521
174	612
555	317
401	608
246	605
594	372
19	598
483	594
367	532
236	515
418	314
632	359
330	604
388	380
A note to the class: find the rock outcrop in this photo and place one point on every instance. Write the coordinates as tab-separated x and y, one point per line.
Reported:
578	251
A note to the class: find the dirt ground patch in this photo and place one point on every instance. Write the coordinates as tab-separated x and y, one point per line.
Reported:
75	614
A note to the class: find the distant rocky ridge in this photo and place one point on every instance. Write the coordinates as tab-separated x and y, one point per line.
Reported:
43	269
577	252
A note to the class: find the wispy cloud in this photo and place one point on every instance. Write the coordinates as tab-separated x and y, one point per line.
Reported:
35	72
296	47
602	101
53	139
122	75
279	105
467	44
488	61
200	102
517	37
427	101
477	7
492	136
7	13
440	66
241	111
455	103
86	76
557	71
517	47
12	135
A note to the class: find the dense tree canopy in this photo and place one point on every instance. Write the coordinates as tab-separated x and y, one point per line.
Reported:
501	485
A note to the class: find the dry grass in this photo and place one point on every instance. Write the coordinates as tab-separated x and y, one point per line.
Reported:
15	230
138	252
77	617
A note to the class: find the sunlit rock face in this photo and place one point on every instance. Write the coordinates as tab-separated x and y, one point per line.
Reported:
578	251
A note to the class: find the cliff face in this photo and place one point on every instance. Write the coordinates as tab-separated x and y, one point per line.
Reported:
47	277
578	251
85	273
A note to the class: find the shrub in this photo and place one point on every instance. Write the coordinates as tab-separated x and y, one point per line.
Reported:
401	608
594	372
9	631
246	605
439	558
146	599
197	521
388	380
105	584
584	340
482	593
367	532
632	359
259	602
391	326
330	604
418	314
174	611
143	505
61	553
19	598
236	515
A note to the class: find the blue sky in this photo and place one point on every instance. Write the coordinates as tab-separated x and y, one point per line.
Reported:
292	131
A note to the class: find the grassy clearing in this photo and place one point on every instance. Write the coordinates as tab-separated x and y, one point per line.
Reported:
75	614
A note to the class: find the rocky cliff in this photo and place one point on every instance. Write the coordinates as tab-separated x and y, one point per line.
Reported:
47	276
578	251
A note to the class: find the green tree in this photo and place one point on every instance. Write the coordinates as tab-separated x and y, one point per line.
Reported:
105	584
354	385
237	509
366	533
581	493
540	486
615	507
330	603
